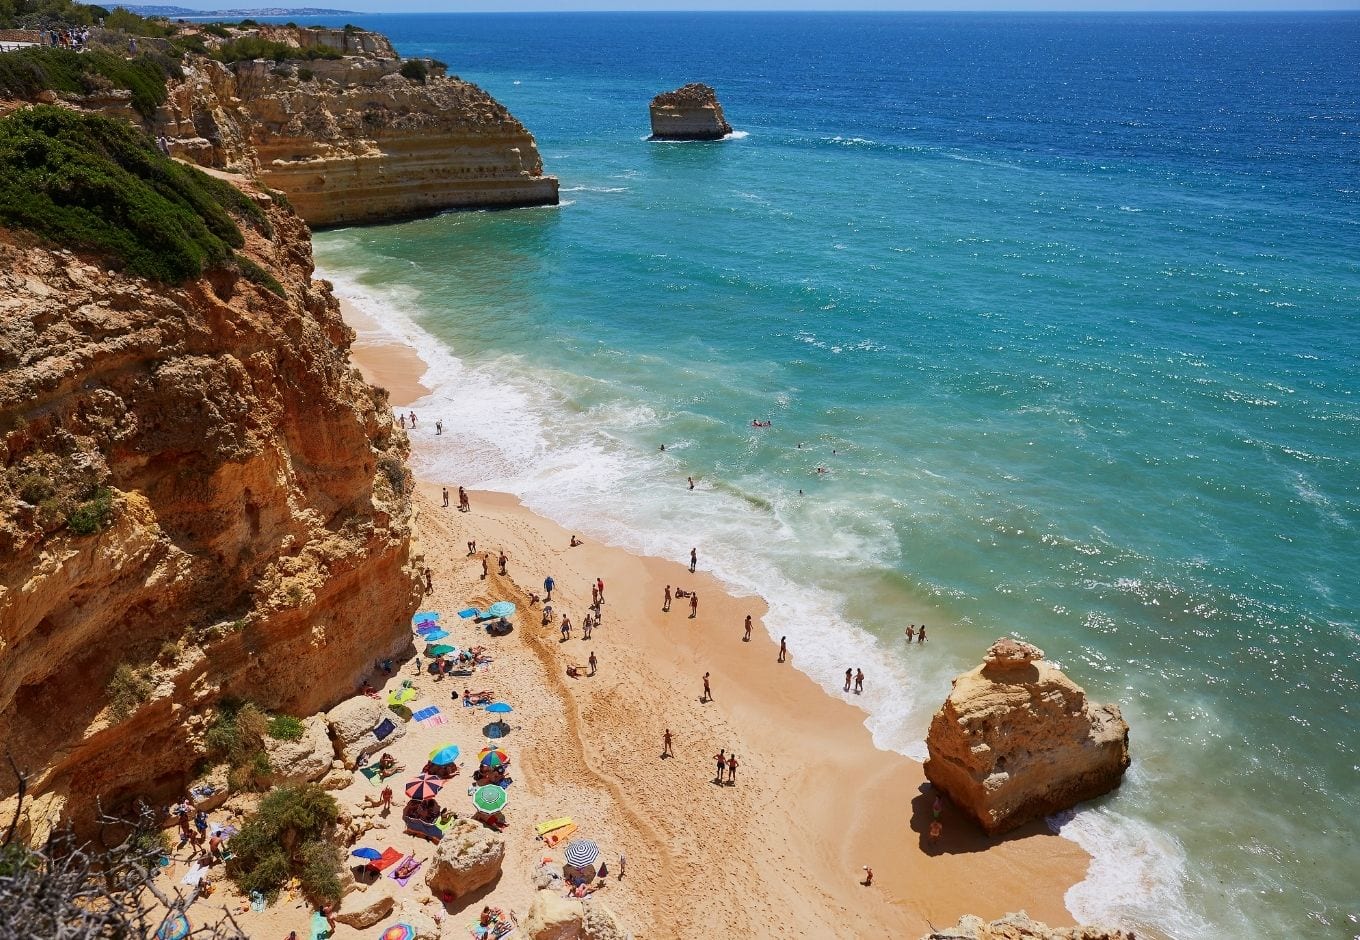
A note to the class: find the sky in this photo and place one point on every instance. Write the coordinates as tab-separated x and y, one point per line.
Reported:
508	6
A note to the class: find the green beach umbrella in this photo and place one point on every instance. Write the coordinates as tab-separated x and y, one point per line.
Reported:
442	649
489	799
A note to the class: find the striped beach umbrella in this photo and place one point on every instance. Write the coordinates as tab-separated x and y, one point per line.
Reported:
444	755
582	852
424	787
489	799
493	757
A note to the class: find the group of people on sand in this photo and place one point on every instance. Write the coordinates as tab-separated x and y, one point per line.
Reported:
727	768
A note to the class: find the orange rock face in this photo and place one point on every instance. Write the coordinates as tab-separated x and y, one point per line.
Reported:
255	537
1017	739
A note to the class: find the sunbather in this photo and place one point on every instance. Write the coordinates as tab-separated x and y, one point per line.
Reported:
407	868
483	697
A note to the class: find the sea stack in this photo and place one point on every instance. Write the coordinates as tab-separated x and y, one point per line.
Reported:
691	112
1016	739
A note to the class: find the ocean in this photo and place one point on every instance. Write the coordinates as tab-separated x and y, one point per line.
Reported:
1064	305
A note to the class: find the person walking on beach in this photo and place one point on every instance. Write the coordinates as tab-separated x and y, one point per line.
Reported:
413	419
594	663
548	585
708	693
503	560
859	681
693	605
485	570
566	628
732	770
868	876
746	637
594	596
402	420
586	626
666	604
693	559
722	765
849	675
464	504
783	648
666	744
438	428
599	586
429	581
387	799
446	497
921	634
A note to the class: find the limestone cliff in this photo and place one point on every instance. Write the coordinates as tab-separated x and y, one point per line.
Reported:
199	498
364	137
691	112
1016	740
1023	927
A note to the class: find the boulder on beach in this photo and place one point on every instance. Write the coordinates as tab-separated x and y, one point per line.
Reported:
691	112
368	905
351	725
468	857
1016	740
1022	927
553	917
304	760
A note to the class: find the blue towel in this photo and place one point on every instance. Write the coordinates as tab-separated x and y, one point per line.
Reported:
426	615
384	729
469	612
425	713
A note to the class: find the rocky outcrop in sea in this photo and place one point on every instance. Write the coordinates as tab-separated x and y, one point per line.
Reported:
1023	927
691	112
1016	740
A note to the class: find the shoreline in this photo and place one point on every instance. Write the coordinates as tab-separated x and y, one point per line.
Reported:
817	797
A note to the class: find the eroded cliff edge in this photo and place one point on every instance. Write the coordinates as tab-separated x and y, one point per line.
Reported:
200	500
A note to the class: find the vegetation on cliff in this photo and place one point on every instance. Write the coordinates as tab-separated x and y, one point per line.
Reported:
250	47
25	73
88	182
289	836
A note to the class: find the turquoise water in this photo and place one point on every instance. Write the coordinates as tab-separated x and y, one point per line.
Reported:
1066	306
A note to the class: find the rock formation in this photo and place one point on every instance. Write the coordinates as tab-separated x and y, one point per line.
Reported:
351	725
304	760
468	857
553	917
1016	740
1022	927
199	499
691	112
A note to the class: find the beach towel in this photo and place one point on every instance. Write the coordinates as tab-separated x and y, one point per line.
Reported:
386	727
427	626
409	874
429	716
558	836
320	929
371	773
389	857
195	875
469	612
426	615
257	901
544	828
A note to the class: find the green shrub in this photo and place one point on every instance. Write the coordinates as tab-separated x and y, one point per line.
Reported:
288	835
254	273
35	488
169	654
416	70
127	689
216	29
395	471
305	74
128	22
237	732
41	68
250	47
88	182
286	728
93	514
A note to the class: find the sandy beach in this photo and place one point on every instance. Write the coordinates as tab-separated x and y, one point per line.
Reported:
778	854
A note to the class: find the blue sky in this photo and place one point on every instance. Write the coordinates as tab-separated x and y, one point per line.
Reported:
481	6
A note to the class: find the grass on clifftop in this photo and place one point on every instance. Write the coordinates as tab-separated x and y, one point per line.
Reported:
39	68
87	182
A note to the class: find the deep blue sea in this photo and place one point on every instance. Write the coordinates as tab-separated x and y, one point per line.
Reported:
1068	307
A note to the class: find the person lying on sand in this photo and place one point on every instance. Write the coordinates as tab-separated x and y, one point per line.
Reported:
387	765
483	697
586	890
575	672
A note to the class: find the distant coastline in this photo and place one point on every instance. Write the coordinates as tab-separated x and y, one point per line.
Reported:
152	9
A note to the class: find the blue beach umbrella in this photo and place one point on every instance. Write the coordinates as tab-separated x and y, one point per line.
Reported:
367	853
500	609
499	708
444	755
175	927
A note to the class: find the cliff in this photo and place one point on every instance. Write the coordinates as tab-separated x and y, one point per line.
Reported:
691	112
1017	740
199	498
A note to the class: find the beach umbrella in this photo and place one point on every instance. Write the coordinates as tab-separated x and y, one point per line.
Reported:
444	755
489	799
582	852
401	696
174	927
398	932
442	649
431	635
500	609
424	787
493	757
499	708
367	853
